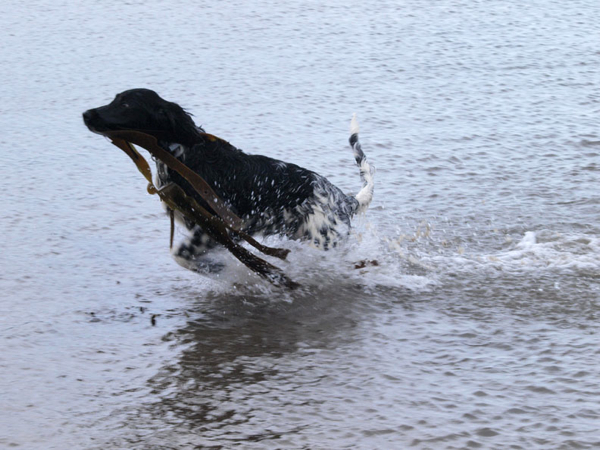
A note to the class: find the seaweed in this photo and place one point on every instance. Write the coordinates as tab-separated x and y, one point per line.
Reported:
221	224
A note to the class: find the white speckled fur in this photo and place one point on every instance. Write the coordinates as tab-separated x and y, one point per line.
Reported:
323	219
328	222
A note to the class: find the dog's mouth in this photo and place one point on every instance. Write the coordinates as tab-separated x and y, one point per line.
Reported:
101	128
93	128
104	130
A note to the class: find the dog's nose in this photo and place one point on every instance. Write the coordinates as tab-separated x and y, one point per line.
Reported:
87	116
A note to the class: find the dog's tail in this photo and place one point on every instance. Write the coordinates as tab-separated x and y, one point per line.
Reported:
367	171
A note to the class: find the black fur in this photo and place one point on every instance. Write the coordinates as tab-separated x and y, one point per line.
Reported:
271	196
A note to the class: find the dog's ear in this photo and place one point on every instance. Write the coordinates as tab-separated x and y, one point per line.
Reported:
180	123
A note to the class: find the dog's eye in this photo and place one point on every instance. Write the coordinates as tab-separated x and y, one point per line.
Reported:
125	105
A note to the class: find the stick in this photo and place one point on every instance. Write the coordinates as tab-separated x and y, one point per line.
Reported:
177	200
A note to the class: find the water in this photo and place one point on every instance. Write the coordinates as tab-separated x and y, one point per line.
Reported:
478	329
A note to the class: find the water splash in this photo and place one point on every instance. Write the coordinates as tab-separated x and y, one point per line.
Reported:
538	251
365	261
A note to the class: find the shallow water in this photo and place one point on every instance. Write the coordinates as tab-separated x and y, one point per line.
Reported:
478	328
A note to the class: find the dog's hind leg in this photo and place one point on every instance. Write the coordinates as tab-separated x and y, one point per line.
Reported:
192	252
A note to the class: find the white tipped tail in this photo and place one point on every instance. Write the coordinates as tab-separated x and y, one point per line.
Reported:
365	195
354	125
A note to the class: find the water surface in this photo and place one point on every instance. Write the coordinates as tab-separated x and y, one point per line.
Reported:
478	328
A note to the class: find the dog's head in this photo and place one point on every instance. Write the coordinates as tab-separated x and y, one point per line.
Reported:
143	110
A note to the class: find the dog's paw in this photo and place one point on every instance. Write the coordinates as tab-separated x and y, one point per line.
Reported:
199	265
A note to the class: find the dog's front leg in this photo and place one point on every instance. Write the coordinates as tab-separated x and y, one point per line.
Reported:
192	252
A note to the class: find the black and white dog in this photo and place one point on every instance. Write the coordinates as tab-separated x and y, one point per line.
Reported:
271	196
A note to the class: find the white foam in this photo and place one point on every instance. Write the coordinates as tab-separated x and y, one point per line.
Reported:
395	267
577	254
565	252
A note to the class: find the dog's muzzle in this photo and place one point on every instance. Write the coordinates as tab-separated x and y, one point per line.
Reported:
90	119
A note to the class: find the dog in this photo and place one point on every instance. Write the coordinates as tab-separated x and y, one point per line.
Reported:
270	196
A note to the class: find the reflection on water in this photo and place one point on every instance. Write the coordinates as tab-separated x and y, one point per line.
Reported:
240	353
336	365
